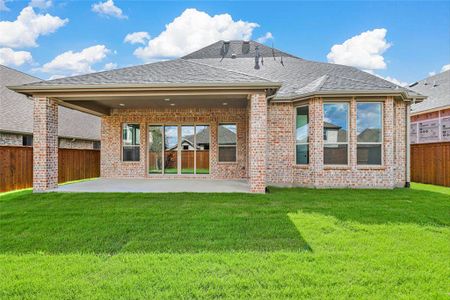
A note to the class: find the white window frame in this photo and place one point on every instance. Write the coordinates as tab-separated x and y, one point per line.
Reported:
295	128
218	144
123	145
381	143
347	103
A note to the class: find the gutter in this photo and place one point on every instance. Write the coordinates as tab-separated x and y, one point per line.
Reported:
408	145
341	93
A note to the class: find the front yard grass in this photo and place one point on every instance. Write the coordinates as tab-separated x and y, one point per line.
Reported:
291	243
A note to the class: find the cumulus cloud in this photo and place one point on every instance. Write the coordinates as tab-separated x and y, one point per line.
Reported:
445	68
74	63
140	37
431	73
108	9
9	57
25	30
265	38
110	66
363	51
395	81
3	6
42	4
192	30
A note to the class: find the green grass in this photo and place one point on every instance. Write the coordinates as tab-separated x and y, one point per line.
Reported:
291	243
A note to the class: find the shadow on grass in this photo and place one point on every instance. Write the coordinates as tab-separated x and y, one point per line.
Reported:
187	222
113	223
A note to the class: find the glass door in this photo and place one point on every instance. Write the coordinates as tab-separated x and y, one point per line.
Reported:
155	149
170	149
187	145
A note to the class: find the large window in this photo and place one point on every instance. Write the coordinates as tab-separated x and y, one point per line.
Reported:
302	147
130	142
227	139
335	133
370	133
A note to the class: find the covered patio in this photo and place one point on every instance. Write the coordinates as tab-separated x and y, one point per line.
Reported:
144	185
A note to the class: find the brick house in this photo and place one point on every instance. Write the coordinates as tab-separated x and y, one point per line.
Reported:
293	122
76	130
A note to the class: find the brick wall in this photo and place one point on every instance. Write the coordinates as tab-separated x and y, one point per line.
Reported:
113	166
281	166
75	144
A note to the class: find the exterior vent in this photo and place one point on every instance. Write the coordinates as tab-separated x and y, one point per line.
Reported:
233	55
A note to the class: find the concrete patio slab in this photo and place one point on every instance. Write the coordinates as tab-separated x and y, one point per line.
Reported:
121	185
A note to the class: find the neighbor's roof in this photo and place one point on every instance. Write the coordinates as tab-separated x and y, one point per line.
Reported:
216	65
16	111
178	71
437	88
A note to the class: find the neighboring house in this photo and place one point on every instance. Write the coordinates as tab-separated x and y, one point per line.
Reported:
430	119
75	130
295	122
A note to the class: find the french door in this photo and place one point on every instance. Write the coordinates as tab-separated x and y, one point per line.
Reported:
178	149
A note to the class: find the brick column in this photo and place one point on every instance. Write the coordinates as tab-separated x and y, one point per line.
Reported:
257	141
45	144
316	140
389	124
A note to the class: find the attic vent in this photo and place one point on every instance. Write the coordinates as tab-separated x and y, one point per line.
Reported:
435	84
245	47
414	84
233	55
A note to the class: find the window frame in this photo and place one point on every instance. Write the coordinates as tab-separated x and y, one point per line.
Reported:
218	144
295	130
381	143
122	144
347	103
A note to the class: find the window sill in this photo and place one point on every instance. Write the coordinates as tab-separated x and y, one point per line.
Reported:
297	166
227	162
337	167
369	167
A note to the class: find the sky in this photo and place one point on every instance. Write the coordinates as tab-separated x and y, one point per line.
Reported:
400	41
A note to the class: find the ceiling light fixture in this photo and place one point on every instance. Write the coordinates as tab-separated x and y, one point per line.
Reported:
172	104
225	103
167	99
121	104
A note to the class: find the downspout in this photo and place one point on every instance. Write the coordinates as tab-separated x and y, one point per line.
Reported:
408	145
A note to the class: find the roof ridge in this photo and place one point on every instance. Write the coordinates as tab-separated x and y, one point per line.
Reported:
366	82
12	69
228	70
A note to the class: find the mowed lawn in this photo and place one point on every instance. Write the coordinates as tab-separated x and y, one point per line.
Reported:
291	243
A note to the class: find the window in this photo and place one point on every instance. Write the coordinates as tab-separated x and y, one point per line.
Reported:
227	142
370	133
130	142
27	140
335	133
302	147
96	145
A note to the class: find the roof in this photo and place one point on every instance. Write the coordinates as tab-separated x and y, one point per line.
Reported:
178	71
238	63
369	135
16	110
437	88
238	49
226	136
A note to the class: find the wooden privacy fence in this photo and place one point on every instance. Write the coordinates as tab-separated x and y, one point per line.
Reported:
16	166
430	163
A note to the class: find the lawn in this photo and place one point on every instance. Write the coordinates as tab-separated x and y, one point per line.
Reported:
291	243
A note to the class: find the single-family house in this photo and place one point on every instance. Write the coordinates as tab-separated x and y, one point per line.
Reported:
250	111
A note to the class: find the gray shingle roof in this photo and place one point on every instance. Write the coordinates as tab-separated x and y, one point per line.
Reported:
437	88
239	49
214	65
178	71
16	111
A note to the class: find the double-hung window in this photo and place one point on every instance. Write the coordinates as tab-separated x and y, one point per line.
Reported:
130	142
227	140
302	139
369	127
335	133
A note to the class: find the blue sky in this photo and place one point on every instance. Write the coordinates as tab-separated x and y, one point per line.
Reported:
403	41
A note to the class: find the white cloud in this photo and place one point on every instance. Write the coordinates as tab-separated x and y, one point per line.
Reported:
445	68
42	4
140	37
108	8
192	30
56	76
25	30
3	6
265	38
74	63
395	81
110	66
363	51
9	57
432	73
